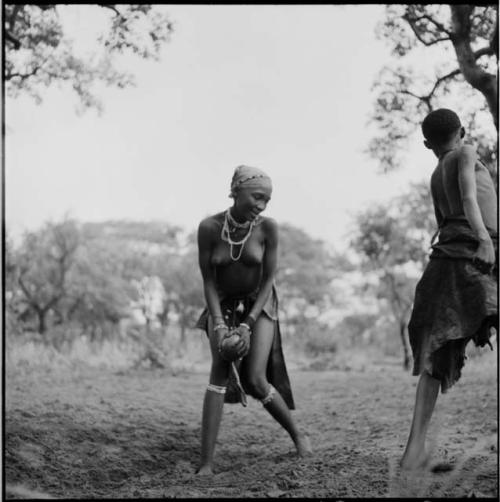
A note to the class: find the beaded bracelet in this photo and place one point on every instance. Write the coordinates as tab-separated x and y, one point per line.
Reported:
246	326
249	321
219	326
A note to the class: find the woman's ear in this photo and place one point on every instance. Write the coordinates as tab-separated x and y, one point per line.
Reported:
462	131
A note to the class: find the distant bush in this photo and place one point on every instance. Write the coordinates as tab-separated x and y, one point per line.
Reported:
321	343
135	347
356	330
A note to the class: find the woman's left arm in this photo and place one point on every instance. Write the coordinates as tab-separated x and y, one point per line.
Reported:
270	264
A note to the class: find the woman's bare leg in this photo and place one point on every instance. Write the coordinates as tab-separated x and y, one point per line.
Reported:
255	365
415	456
213	404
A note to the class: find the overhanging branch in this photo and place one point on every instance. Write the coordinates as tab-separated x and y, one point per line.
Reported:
437	24
440	80
11	38
426	99
22	76
412	21
25	290
419	36
111	7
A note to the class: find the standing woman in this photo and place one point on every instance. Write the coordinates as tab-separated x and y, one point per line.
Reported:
238	252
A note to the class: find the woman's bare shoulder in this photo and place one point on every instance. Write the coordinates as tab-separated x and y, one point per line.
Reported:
269	225
466	155
214	220
211	223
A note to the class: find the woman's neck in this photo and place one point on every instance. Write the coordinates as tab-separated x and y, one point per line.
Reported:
236	216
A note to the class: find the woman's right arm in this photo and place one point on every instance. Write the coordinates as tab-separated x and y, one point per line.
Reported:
468	191
437	211
206	235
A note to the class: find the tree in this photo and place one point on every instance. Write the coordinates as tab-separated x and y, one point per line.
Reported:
39	53
181	278
463	42
151	298
116	269
394	241
43	262
305	272
143	253
97	294
15	305
135	245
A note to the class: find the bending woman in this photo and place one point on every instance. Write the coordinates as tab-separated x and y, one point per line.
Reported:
238	260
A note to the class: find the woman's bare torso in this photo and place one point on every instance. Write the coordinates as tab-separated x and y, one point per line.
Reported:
446	191
241	277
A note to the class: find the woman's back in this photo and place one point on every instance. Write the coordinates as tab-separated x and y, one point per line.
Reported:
447	196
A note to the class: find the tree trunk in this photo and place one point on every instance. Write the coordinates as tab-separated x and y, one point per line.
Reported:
183	332
484	82
404	341
42	325
163	317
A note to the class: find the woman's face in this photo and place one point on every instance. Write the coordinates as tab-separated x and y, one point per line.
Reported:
250	202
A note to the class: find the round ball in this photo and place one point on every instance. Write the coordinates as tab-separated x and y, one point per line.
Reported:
228	347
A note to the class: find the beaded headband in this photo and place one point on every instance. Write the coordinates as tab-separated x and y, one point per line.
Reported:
244	180
249	176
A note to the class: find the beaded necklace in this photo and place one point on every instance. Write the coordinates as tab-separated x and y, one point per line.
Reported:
226	233
235	223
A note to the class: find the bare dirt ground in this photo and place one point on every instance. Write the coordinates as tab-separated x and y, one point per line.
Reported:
97	434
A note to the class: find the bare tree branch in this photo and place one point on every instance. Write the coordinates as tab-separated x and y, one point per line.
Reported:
22	76
112	7
11	38
427	98
484	51
409	93
38	31
440	80
13	16
26	291
413	26
437	24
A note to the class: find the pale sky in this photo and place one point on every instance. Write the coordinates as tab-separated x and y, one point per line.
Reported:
284	88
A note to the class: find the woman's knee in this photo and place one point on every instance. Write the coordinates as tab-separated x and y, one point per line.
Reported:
258	386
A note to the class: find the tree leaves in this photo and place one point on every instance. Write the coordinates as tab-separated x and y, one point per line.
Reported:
394	240
462	43
39	53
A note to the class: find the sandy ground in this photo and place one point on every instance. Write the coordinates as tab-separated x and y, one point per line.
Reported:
100	434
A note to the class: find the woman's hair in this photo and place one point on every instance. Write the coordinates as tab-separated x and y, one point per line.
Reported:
439	125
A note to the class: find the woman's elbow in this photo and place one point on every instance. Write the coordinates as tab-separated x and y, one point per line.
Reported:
469	200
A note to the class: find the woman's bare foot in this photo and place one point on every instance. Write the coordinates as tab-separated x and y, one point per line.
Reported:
205	470
415	461
303	445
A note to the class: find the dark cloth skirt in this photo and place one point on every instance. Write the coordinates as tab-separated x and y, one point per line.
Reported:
454	303
235	310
